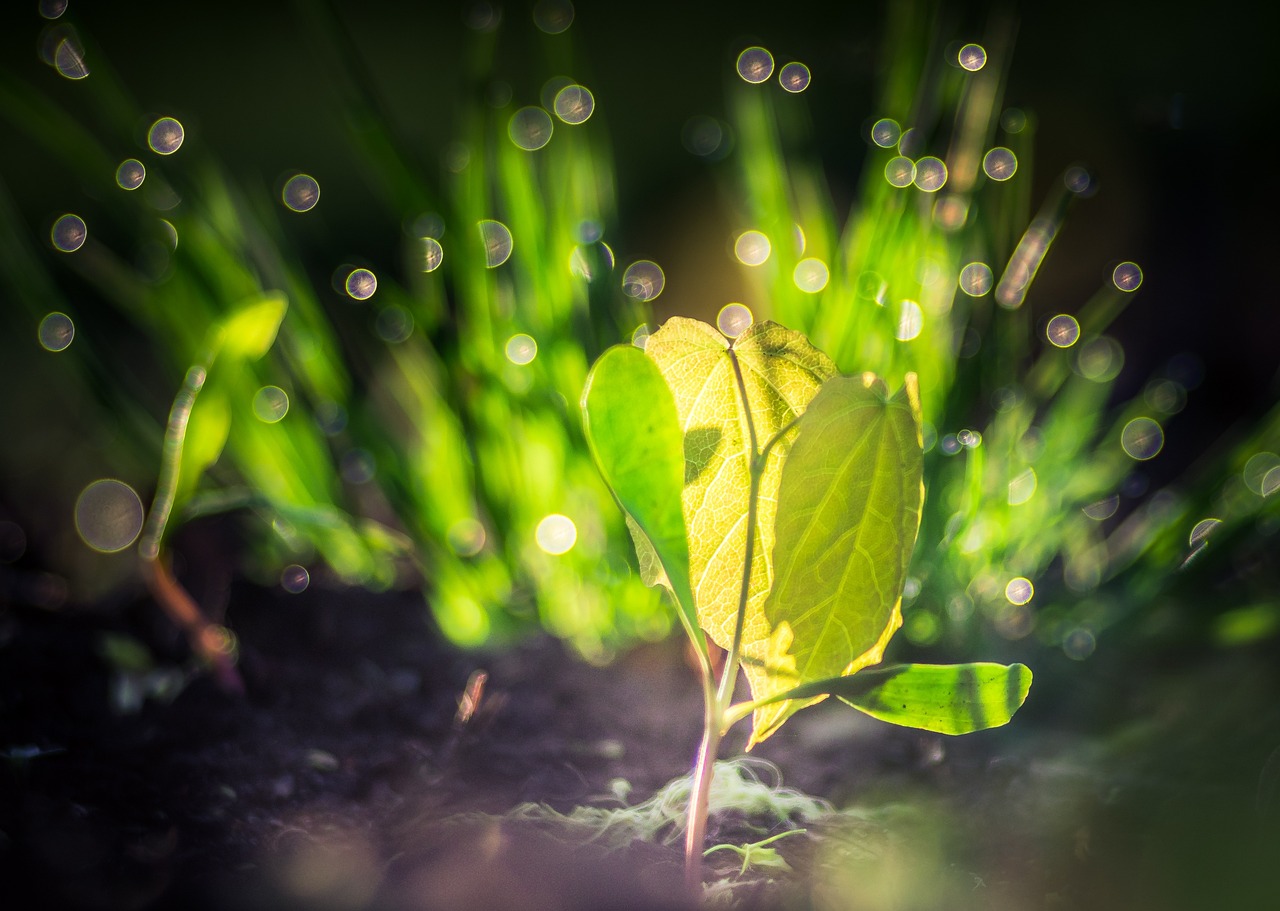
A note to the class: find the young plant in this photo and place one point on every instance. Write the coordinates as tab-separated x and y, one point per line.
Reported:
778	502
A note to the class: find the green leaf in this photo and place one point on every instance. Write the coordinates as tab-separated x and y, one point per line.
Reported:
848	513
943	698
251	330
634	433
781	372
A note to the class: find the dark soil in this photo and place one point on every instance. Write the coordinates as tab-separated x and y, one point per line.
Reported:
343	780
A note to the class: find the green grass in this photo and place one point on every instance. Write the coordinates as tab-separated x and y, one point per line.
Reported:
415	452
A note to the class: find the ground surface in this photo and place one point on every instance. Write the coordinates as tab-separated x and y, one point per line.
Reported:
342	780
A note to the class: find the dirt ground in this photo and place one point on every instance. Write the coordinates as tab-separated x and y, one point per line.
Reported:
343	781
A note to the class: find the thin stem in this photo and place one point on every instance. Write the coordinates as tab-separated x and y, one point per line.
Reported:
175	435
716	704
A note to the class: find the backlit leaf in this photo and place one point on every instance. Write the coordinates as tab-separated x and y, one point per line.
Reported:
848	513
781	372
251	331
943	698
631	425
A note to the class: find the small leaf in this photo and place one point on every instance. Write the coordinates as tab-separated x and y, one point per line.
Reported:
848	513
634	433
251	330
943	698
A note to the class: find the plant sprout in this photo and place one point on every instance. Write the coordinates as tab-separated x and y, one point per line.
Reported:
778	502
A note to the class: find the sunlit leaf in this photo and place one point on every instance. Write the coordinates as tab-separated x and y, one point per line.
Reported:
943	698
848	513
781	372
251	330
634	433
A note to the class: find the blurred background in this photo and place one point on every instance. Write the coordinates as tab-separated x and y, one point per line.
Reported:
415	423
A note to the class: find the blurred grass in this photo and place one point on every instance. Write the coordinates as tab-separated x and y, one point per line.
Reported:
415	451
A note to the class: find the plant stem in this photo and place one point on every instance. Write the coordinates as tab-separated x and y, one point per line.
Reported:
717	703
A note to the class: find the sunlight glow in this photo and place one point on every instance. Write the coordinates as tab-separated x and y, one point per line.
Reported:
734	319
1019	590
270	404
556	534
910	321
521	349
430	254
811	275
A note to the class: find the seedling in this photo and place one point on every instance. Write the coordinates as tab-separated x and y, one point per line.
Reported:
778	502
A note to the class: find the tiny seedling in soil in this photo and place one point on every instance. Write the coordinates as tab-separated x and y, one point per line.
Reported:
778	502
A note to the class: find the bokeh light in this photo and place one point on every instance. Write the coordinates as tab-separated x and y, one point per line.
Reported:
69	233
811	275
360	284
1100	359
1261	467
900	171
794	77
885	132
1019	590
165	136
393	324
52	9
1063	330
640	336
870	286
972	57
643	280
1165	396
752	248
301	193
497	241
108	515
56	332
1023	487
931	174
969	439
553	16
530	128
734	319
270	404
466	537
910	321
1200	533
1013	120
1077	180
976	279
1127	276
1079	643
130	174
705	137
521	349
1142	439
755	65
556	534
430	254
1000	163
574	104
68	59
294	579
1102	509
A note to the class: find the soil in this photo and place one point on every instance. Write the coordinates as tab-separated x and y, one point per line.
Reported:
343	779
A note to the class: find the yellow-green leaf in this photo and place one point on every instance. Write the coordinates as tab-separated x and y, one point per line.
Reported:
781	372
251	330
207	430
631	426
848	513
